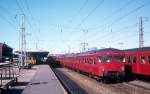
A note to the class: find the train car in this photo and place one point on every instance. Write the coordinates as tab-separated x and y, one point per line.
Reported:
138	61
103	64
6	53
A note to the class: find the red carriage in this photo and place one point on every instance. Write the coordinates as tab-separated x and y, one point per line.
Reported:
103	63
138	61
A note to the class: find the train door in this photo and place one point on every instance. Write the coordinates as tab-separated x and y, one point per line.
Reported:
134	63
131	63
94	66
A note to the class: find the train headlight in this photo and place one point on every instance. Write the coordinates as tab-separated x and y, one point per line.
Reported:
122	68
103	69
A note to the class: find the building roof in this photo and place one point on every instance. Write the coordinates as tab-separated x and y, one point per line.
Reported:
3	44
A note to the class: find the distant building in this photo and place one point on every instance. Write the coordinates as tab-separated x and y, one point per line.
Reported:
37	55
6	53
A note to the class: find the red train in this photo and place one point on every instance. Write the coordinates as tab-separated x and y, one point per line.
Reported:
105	63
138	61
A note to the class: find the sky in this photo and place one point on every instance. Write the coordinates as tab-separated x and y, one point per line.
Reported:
62	26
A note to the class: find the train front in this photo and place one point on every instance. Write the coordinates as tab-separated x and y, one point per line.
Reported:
111	65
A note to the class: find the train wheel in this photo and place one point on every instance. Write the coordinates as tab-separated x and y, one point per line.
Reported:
104	80
90	75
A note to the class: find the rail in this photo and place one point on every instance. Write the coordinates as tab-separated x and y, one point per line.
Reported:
8	74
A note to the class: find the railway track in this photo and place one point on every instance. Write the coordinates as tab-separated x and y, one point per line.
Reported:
70	86
91	86
141	84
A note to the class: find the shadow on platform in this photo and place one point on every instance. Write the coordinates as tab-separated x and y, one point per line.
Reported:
15	89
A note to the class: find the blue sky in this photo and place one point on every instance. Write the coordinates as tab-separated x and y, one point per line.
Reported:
61	25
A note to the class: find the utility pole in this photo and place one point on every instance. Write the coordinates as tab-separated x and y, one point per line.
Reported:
23	41
36	44
141	32
141	40
84	45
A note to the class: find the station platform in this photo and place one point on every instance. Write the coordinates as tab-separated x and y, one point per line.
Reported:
44	82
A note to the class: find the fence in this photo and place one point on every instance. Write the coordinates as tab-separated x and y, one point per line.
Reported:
8	74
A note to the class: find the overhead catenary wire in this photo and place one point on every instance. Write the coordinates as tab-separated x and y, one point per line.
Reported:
22	12
36	29
122	17
20	8
105	36
79	11
8	13
90	13
130	12
113	13
32	17
8	21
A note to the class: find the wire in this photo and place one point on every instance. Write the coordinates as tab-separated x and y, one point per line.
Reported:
132	11
124	16
32	18
90	13
8	13
22	11
114	13
118	31
79	11
5	19
20	8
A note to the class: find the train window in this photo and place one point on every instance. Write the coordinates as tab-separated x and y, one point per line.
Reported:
128	59
99	60
87	60
82	60
94	61
105	58
148	59
142	60
119	59
134	59
90	61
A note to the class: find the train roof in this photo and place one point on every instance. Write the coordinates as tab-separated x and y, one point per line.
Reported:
92	52
101	50
137	49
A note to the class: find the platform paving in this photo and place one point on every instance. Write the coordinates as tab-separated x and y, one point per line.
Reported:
24	78
44	82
